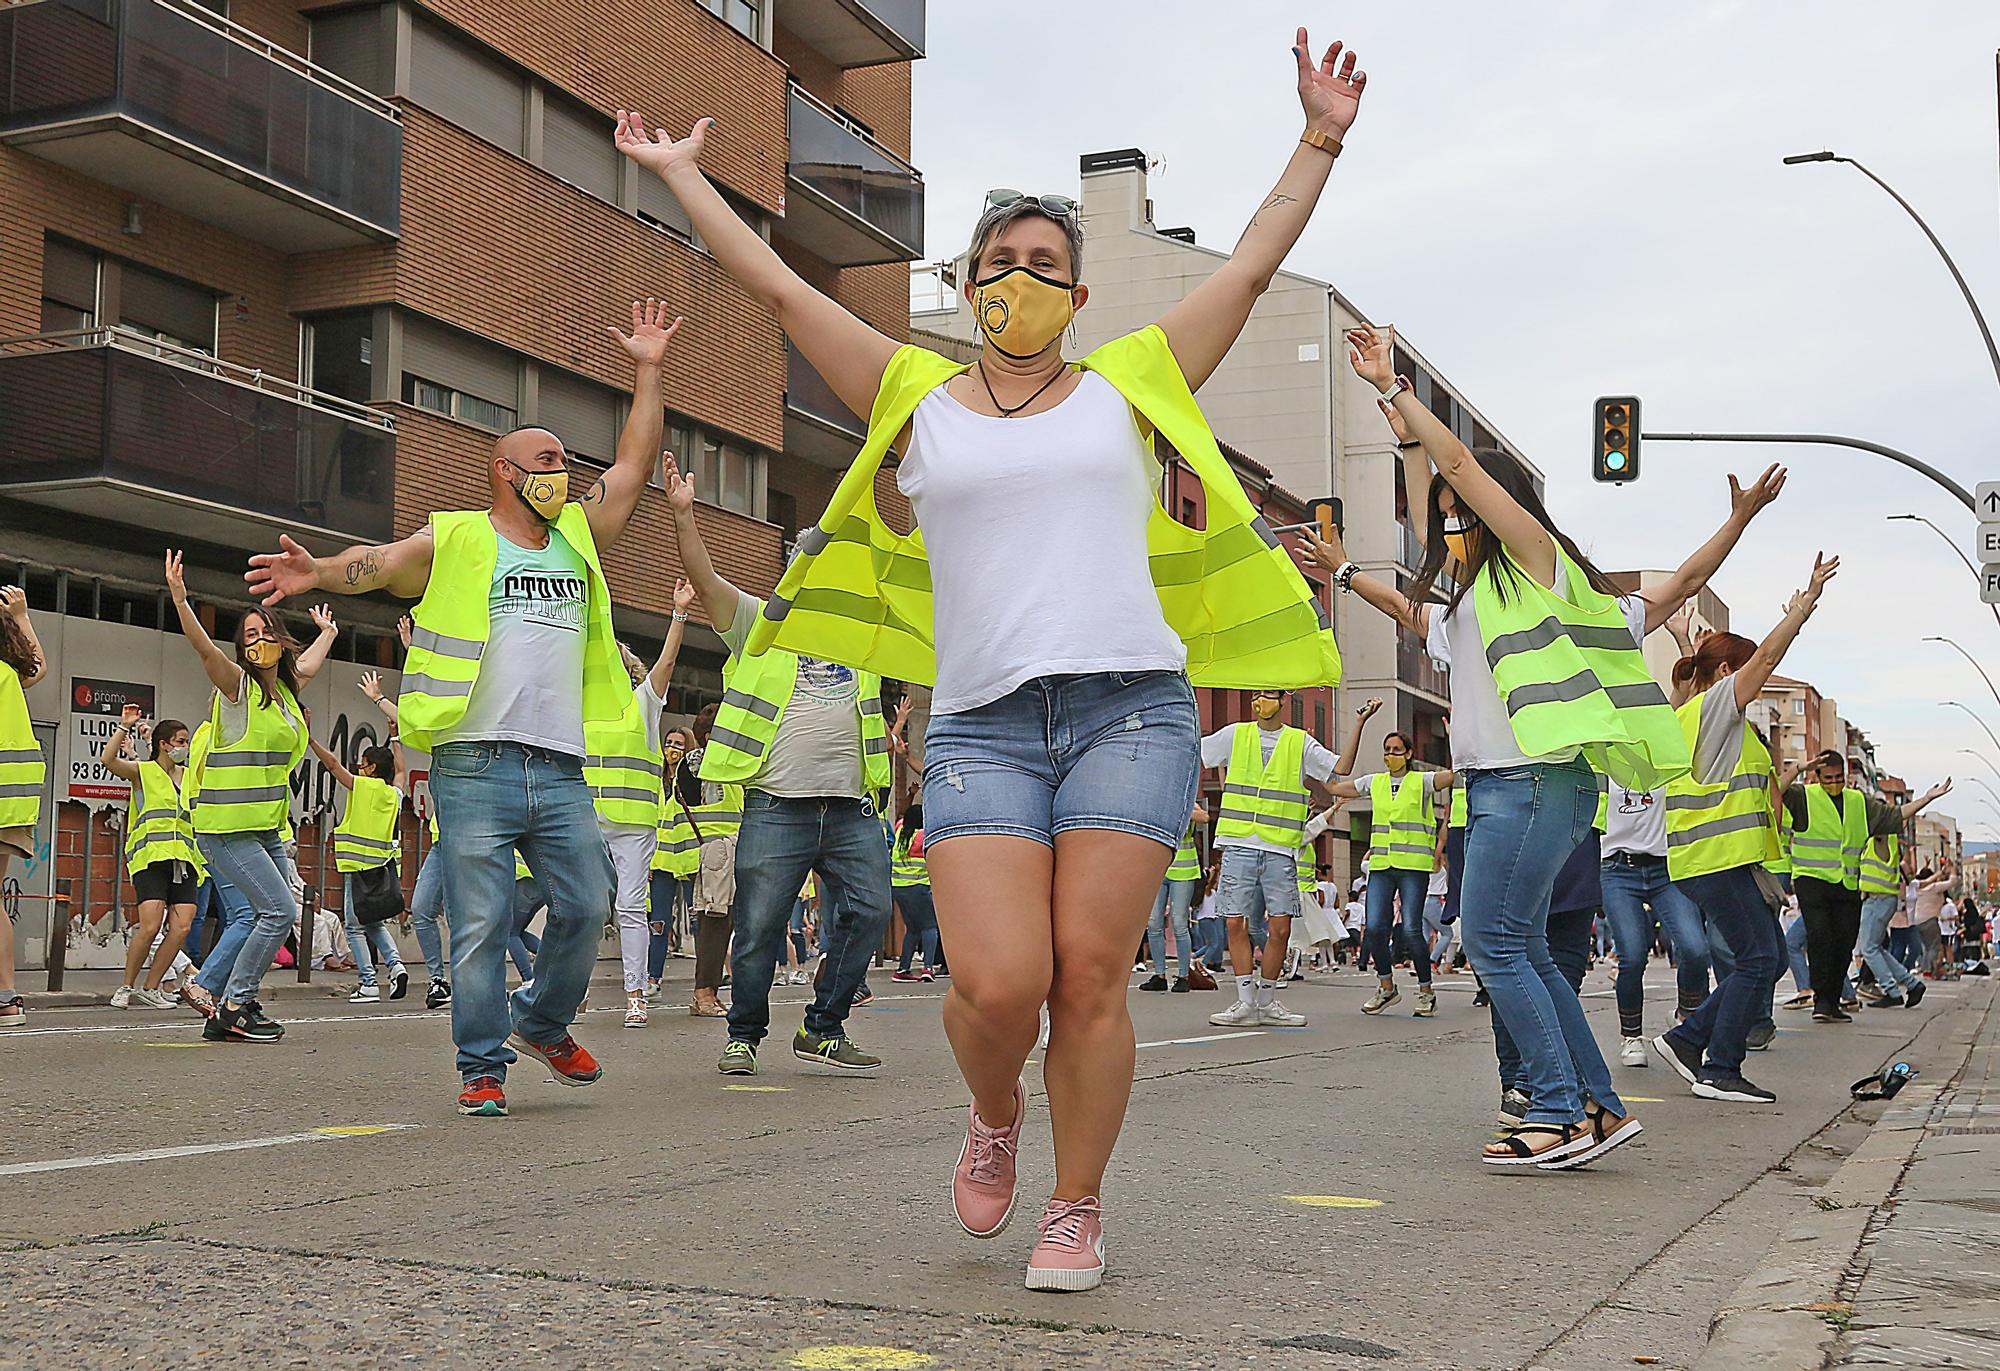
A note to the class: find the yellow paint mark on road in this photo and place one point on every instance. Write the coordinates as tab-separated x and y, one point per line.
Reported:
1334	1202
1643	1099
354	1130
759	1089
834	1358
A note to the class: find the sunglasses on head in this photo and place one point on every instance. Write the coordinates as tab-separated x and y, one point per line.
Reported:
1059	206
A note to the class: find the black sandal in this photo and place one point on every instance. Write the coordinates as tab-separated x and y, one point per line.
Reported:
1600	1141
1524	1155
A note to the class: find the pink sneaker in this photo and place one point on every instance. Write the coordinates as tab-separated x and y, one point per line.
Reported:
1070	1255
982	1187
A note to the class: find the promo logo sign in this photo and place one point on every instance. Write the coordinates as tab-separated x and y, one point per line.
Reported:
94	707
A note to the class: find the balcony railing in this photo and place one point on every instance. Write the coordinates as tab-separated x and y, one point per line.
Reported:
1415	668
114	425
850	200
187	110
857	33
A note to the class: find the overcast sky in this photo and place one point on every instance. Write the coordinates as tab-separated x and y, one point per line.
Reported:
1555	201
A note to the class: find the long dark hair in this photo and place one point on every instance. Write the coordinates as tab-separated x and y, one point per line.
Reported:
288	653
16	649
164	730
1512	478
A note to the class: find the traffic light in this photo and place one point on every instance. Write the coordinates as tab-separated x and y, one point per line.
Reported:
1614	453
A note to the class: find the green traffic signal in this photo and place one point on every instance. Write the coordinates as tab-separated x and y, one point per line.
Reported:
1615	439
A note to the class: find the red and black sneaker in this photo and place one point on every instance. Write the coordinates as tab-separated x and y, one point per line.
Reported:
570	1063
483	1098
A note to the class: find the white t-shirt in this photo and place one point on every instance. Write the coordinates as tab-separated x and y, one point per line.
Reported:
1636	822
1318	766
818	748
1036	532
236	712
1482	738
530	684
1439	884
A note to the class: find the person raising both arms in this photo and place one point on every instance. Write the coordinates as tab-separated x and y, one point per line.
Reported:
1402	854
23	770
511	655
242	800
1060	613
160	855
368	836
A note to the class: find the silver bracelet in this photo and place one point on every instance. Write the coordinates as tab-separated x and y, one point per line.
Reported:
1344	577
680	617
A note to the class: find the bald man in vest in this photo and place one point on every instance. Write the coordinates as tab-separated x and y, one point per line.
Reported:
512	652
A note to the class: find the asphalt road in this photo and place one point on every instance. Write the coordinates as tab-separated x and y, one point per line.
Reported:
1284	1198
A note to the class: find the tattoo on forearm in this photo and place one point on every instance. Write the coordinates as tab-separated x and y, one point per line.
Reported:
1276	199
595	495
364	567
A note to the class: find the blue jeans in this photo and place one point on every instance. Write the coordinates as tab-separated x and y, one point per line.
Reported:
1524	822
1212	936
920	926
670	896
1639	896
1385	889
257	865
1905	946
1890	974
781	841
492	800
232	916
1740	1000
1569	949
361	936
1176	898
426	908
521	944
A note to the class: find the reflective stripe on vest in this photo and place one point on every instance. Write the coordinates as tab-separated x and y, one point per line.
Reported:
1401	840
1456	815
453	623
1602	823
158	826
859	592
1719	827
1830	848
755	693
1571	677
23	772
675	849
1265	801
366	836
907	869
1881	869
622	769
245	785
1186	865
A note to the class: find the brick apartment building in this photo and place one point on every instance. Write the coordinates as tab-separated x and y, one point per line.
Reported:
278	266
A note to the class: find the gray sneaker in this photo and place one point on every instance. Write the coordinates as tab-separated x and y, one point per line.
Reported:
738	1059
837	1053
1760	1035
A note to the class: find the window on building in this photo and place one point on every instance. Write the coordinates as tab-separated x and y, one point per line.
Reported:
582	413
340	354
457	374
353	43
1298	712
1798	707
738	473
745	16
576	145
69	287
661	208
467	85
166	308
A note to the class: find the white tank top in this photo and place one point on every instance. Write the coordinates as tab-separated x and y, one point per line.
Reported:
1036	532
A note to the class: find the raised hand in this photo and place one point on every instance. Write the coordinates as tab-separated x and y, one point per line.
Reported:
322	616
658	151
684	594
1371	354
176	579
1327	554
128	717
1745	504
1368	708
405	627
647	342
680	489
1330	94
371	685
13	602
272	576
1824	569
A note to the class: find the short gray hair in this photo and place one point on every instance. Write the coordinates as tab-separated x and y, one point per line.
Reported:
997	217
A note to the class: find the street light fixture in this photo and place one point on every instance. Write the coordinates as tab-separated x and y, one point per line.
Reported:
1960	552
1984	758
1987	334
1970	658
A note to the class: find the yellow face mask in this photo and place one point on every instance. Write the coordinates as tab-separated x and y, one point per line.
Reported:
1262	708
545	492
1020	312
263	655
1458	539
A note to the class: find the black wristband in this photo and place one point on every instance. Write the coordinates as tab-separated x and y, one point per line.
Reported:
1407	446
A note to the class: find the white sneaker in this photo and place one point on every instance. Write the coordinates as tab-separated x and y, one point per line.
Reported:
1632	1052
121	998
1275	1015
652	991
364	994
799	976
1238	1015
635	1011
155	999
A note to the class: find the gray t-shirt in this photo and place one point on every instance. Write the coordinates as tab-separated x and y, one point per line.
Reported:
818	747
530	684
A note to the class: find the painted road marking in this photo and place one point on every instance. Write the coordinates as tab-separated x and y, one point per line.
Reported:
759	1089
154	1154
1642	1099
1211	1038
861	1359
1334	1202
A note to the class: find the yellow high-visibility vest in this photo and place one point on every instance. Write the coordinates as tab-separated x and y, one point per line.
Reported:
1403	839
1719	827
245	785
159	827
365	837
622	768
24	773
756	691
1265	800
1881	869
1830	848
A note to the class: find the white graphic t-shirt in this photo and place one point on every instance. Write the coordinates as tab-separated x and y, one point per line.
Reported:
818	748
530	686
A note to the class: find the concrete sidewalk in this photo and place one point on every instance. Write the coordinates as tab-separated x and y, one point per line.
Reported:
1899	1262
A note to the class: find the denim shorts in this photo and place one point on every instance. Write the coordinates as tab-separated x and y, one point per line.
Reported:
1118	750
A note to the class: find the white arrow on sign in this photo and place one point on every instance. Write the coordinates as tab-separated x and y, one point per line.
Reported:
1989	584
1986	500
1987	540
